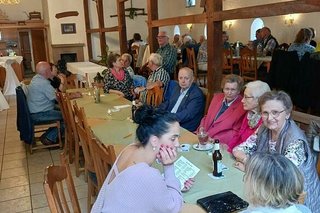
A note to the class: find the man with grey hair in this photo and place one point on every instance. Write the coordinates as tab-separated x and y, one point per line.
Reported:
270	43
188	43
168	53
41	98
186	101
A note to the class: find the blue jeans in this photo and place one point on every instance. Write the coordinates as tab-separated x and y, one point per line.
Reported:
139	81
45	117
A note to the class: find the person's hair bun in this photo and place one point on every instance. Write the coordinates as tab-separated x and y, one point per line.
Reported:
144	114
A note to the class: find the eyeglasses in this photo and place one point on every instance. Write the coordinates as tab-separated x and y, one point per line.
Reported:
247	97
229	90
273	113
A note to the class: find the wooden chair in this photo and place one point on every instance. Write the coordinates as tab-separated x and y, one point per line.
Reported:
30	131
104	157
155	96
227	66
304	120
248	64
207	96
54	178
283	46
74	138
192	64
85	137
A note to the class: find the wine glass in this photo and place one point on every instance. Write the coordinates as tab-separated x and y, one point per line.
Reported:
203	138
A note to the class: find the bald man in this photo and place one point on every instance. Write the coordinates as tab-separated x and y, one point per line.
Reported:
41	100
186	100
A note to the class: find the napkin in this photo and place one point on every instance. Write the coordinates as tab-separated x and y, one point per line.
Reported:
121	106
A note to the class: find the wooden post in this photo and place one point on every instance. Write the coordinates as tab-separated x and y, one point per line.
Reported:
152	6
102	35
214	40
122	27
87	26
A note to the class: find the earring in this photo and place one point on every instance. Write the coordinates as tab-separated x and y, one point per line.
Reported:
154	148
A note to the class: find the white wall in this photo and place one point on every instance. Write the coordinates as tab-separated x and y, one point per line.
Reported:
18	12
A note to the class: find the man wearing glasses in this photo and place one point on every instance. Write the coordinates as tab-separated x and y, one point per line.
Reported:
168	53
226	113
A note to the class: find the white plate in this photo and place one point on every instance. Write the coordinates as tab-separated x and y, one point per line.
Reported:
203	148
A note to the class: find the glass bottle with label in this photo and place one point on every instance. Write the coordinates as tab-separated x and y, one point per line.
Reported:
217	159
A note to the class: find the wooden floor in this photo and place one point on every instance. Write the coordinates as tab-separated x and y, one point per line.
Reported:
21	174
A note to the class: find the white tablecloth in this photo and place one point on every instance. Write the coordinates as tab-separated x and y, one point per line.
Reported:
87	70
11	81
3	102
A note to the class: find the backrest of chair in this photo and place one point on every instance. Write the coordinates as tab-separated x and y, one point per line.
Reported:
227	60
207	98
248	62
155	96
53	187
104	157
71	81
192	63
62	105
71	117
84	134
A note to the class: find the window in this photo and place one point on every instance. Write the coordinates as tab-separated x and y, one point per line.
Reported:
176	30
256	24
190	3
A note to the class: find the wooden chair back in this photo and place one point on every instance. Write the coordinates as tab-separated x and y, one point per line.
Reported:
155	96
84	134
248	64
304	121
104	158
199	76
227	66
74	135
207	97
54	179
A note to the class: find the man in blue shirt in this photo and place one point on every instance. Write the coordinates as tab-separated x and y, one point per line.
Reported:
186	101
41	99
168	53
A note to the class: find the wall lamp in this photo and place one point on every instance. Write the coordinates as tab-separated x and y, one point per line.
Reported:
189	26
289	20
228	24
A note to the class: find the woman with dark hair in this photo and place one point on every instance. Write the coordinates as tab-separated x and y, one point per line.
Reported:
273	184
132	184
116	79
57	79
313	42
302	42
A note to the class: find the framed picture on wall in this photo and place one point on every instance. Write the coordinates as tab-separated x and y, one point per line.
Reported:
68	28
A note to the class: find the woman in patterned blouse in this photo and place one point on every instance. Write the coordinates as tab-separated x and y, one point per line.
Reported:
117	80
279	134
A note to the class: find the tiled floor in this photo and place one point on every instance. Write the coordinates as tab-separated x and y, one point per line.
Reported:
21	174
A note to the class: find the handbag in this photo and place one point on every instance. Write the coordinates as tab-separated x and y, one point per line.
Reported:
222	203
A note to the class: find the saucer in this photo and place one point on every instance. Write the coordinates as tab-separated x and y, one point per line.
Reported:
207	147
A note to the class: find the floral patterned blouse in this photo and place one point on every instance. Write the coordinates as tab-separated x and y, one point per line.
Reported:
125	86
294	152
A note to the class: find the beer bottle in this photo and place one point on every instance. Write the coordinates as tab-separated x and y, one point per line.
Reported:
217	158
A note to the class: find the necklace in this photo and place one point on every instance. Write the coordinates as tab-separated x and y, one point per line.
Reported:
253	119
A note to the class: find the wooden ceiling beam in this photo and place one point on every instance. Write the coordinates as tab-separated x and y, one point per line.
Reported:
312	2
108	29
201	18
266	10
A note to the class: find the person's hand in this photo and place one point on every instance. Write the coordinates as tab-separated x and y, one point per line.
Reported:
167	155
239	165
188	184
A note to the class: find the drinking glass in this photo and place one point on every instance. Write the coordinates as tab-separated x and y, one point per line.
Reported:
202	137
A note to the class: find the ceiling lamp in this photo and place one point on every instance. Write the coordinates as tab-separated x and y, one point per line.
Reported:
9	1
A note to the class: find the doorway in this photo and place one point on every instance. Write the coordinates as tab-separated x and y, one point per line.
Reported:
26	53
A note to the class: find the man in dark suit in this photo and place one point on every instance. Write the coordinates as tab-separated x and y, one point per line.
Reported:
186	101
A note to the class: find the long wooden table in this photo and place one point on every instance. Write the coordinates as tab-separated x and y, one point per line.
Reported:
119	130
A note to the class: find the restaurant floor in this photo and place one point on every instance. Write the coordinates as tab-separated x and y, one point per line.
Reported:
21	174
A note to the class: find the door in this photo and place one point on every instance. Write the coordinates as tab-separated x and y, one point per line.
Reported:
26	51
39	49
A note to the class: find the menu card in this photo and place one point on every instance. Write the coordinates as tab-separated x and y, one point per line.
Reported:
184	170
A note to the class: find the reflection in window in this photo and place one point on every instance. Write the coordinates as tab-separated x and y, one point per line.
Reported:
190	3
256	24
176	30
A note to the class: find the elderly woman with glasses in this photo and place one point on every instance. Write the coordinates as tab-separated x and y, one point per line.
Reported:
280	134
252	121
225	113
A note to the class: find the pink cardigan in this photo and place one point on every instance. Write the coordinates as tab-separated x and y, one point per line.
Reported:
228	124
